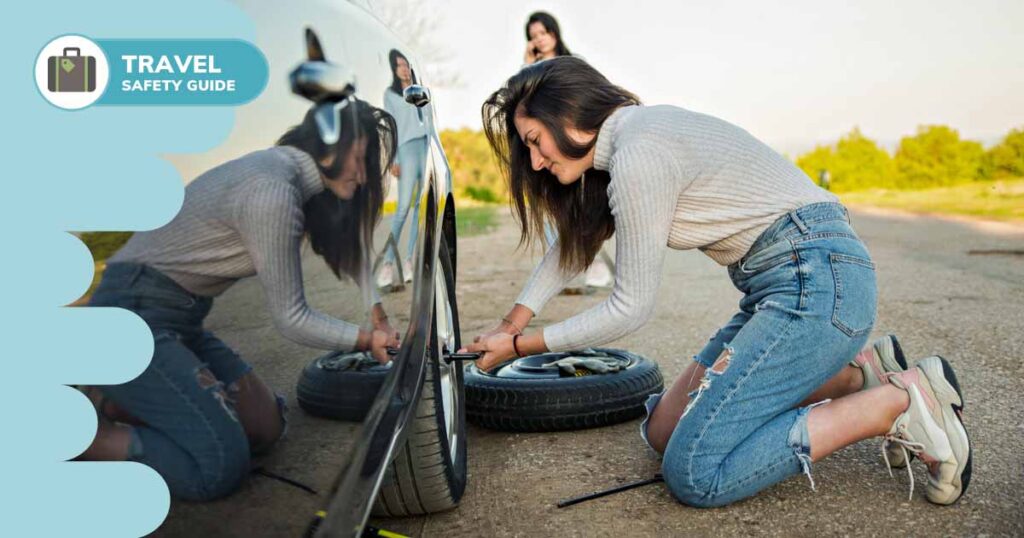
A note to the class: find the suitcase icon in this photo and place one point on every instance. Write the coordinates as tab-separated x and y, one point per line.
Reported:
68	73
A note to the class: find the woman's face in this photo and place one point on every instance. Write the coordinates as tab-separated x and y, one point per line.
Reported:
544	153
353	171
402	70
544	41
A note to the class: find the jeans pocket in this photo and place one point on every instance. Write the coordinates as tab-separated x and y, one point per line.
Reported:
856	294
767	258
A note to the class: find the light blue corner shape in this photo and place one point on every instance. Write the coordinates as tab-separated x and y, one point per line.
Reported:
92	169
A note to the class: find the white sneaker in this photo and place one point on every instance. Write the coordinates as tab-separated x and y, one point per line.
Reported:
598	275
407	270
882	357
386	276
932	428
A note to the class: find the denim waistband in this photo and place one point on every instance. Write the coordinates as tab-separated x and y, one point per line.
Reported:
125	275
798	219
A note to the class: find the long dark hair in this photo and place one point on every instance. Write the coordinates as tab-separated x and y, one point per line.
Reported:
396	83
341	231
551	25
560	93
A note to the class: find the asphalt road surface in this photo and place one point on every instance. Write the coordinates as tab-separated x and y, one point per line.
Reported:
947	287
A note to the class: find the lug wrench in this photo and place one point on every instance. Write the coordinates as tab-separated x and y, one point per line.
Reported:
448	357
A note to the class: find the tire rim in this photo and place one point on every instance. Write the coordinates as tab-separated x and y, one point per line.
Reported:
450	397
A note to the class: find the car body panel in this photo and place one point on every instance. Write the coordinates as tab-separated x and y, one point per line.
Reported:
351	36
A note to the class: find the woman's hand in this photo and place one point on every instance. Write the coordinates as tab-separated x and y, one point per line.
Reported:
503	327
386	328
496	348
382	323
513	323
531	54
380	342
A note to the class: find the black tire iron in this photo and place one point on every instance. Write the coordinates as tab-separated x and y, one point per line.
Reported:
448	357
617	489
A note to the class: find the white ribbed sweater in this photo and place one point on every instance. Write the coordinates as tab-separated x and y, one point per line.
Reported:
679	179
240	219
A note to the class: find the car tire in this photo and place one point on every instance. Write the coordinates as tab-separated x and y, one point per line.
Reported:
518	396
341	385
428	473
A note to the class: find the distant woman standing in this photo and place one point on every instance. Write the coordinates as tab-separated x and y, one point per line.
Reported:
409	164
543	42
543	39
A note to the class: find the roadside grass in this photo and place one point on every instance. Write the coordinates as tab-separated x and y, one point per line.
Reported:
473	220
996	200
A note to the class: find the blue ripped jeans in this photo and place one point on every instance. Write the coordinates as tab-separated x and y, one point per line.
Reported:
808	308
191	433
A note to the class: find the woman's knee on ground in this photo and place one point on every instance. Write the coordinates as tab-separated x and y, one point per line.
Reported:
691	470
690	486
212	480
200	467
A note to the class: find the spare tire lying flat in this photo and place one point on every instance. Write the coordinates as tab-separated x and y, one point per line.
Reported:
524	395
340	385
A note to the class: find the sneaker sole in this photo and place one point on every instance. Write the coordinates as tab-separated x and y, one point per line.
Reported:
956	408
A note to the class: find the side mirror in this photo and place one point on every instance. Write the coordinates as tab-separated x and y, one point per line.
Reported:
321	81
416	95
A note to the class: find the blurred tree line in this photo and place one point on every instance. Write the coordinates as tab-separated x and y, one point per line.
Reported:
935	156
475	173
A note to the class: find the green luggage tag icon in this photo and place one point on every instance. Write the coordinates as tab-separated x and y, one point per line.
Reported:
71	72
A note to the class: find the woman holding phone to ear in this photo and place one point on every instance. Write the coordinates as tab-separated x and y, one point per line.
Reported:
543	39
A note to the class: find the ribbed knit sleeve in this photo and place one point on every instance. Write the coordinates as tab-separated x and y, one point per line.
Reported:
270	223
642	203
545	282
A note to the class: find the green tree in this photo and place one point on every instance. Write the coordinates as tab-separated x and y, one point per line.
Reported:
937	156
861	164
1007	158
817	160
475	172
856	162
104	244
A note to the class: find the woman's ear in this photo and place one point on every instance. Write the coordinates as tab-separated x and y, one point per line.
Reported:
328	159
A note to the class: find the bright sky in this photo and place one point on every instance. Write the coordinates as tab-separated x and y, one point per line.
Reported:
793	73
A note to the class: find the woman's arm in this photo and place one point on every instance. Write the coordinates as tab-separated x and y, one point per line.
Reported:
644	190
270	221
643	205
546	281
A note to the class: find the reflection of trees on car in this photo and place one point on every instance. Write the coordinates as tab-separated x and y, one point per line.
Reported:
418	28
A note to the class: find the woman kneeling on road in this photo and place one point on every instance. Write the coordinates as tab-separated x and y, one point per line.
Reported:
198	411
782	383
